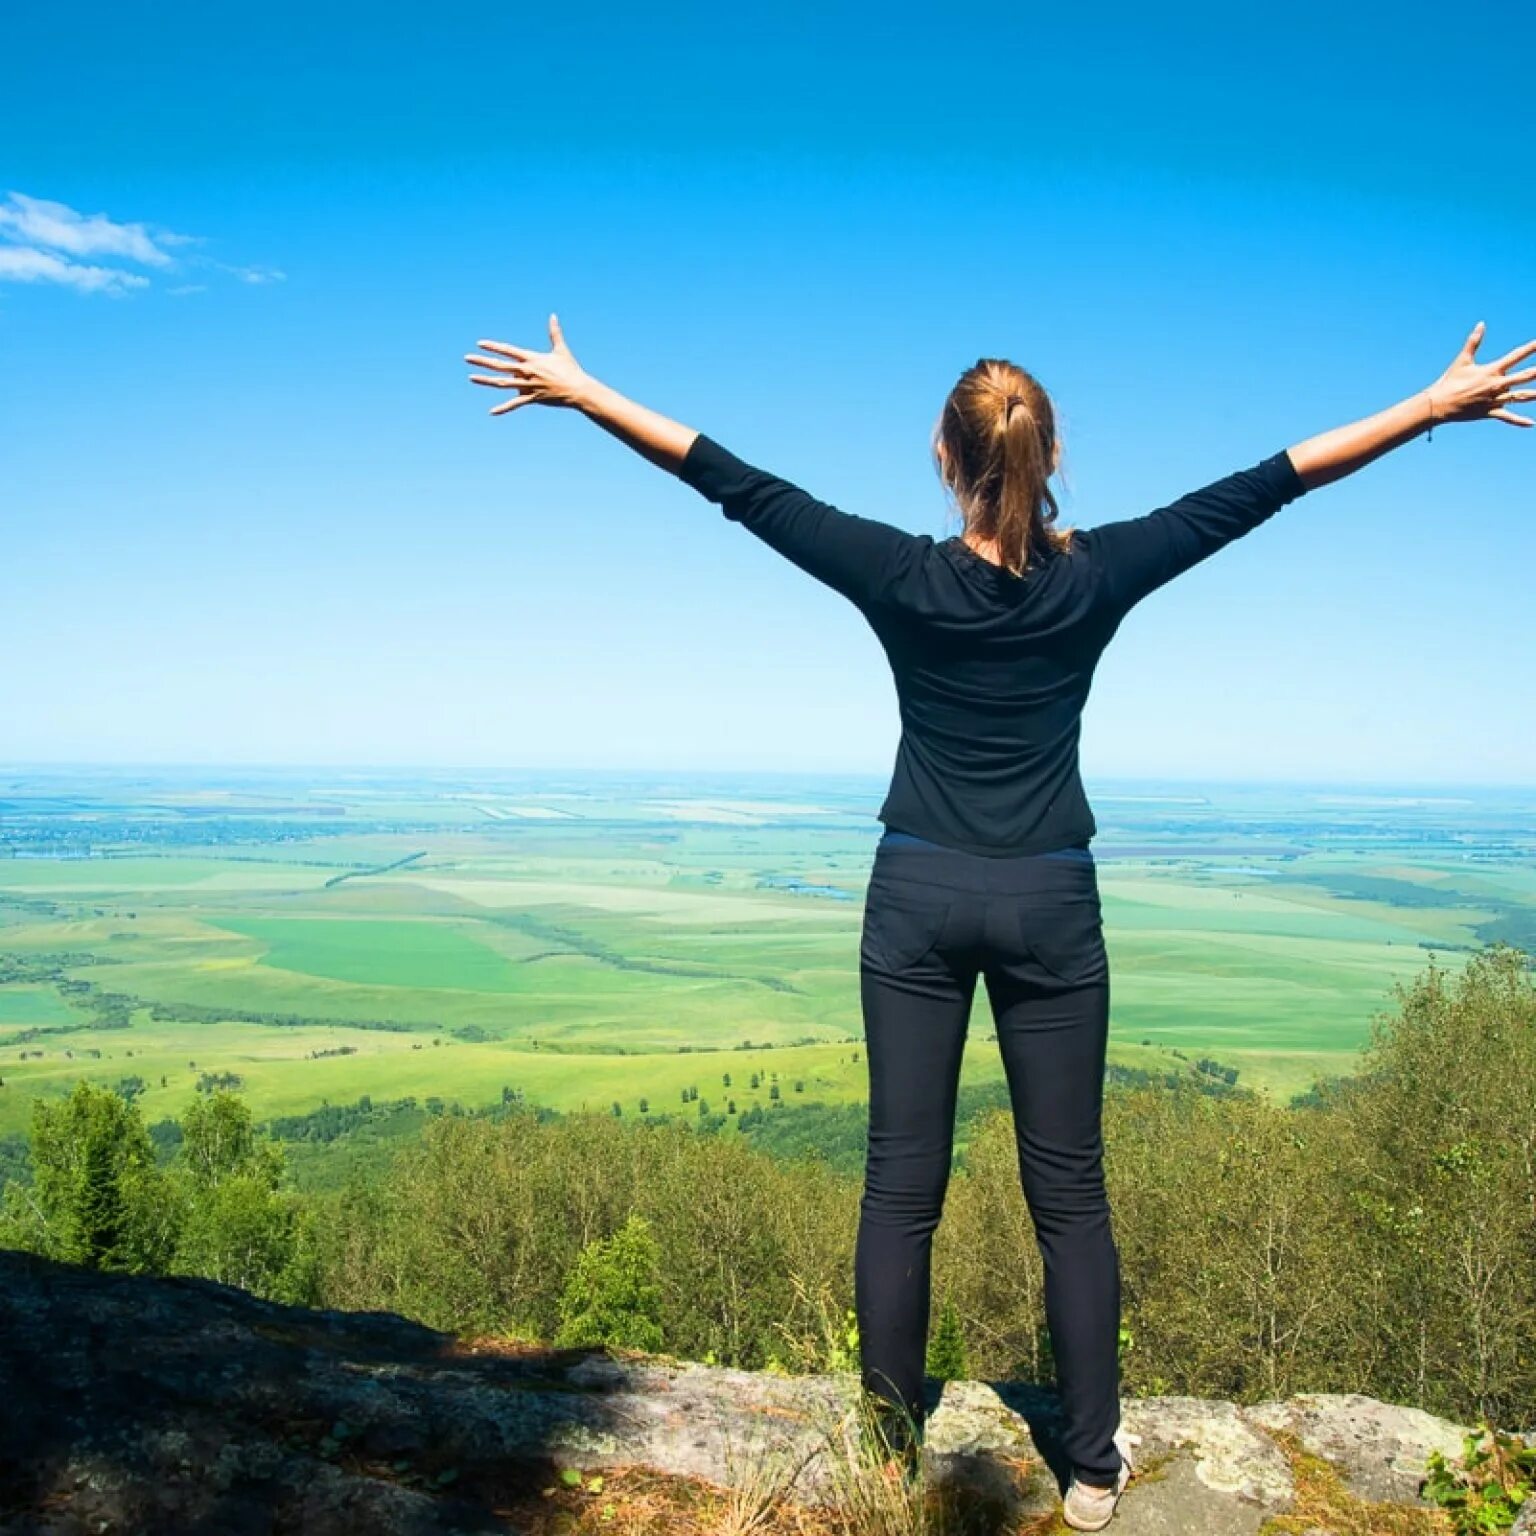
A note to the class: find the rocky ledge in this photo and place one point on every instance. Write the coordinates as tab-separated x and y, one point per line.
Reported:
133	1404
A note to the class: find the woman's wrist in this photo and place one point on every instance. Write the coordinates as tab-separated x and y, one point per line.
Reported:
1434	411
592	397
1331	455
656	437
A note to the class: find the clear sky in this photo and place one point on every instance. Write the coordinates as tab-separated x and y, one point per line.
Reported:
251	510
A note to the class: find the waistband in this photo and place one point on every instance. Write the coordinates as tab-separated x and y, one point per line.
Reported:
895	839
1060	872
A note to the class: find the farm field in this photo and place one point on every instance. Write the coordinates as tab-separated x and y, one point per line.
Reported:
605	939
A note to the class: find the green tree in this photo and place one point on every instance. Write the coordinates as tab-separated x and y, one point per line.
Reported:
1443	1188
219	1140
946	1349
238	1225
97	1197
613	1295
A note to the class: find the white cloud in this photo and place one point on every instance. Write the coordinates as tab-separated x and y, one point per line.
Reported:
22	264
35	221
42	241
256	275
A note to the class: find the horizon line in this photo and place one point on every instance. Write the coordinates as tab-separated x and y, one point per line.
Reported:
871	775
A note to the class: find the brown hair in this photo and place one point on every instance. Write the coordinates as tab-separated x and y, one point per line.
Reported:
997	433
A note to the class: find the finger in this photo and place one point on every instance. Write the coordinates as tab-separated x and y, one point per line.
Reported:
1511	418
556	335
1468	347
510	405
496	381
488	362
1523	377
1510	395
505	348
1518	355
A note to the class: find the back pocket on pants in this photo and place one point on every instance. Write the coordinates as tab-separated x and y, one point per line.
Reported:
1067	938
901	925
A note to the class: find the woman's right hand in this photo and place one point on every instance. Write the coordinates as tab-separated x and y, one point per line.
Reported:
1472	391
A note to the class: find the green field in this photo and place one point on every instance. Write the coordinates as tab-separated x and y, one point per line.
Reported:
599	941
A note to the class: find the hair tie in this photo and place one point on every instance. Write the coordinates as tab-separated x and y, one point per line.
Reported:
1009	404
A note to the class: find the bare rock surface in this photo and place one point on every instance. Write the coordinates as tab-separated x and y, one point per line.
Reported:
136	1404
1230	1455
1379	1449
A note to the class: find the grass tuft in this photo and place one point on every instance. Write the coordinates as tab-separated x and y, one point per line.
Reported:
1324	1503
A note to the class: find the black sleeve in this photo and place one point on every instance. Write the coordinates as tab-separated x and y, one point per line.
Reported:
1140	554
857	556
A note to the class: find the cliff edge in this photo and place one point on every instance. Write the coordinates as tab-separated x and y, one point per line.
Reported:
136	1404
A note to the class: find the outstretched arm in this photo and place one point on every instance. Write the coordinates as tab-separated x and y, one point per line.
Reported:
1135	556
857	556
1138	555
556	378
1466	391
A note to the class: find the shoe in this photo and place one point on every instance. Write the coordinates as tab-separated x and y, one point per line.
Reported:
1087	1508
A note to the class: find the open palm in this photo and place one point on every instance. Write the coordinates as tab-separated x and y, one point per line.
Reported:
541	378
1472	391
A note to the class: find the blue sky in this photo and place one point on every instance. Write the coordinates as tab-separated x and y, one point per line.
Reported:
252	511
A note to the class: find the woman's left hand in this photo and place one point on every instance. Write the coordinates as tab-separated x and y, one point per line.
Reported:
542	378
1472	391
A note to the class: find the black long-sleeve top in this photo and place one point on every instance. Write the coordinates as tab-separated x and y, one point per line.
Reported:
991	669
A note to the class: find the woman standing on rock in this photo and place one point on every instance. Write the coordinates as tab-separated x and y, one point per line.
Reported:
984	868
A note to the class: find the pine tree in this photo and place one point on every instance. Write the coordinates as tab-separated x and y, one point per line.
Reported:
613	1293
946	1349
97	1197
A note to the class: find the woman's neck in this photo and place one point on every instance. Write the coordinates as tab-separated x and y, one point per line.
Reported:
986	548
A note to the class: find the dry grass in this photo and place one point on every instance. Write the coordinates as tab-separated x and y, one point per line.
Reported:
867	1495
1324	1503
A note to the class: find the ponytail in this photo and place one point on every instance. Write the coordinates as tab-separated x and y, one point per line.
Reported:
1024	485
998	436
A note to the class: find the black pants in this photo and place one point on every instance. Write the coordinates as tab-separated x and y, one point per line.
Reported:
935	918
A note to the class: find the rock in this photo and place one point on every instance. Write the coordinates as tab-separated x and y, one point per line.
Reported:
134	1404
1231	1456
1380	1449
1180	1503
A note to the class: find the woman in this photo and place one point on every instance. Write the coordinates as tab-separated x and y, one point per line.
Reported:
984	867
